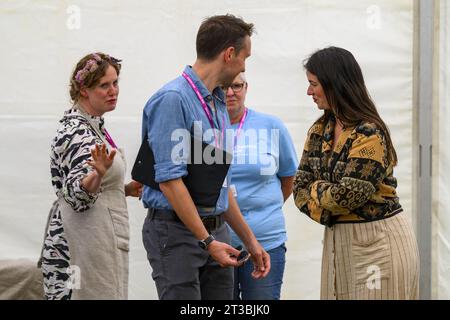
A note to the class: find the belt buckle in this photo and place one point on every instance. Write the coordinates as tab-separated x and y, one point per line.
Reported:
210	223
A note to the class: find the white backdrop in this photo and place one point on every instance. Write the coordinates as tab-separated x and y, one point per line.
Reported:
441	234
40	42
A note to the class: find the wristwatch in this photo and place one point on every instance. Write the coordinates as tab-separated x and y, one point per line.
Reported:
205	242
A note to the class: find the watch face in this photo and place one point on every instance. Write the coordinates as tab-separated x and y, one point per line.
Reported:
204	243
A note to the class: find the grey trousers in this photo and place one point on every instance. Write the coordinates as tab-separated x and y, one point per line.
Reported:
181	269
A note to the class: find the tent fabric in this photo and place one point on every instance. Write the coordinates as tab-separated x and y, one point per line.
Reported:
41	42
441	176
20	279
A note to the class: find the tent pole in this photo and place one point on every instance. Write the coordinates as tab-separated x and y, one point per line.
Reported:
424	126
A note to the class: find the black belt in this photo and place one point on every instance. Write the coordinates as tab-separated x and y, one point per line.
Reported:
211	223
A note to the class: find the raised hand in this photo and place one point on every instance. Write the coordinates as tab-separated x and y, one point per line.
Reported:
101	160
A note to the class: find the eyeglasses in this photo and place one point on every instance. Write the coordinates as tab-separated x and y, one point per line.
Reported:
236	87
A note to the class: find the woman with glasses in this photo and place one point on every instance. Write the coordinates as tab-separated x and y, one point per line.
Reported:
263	169
345	181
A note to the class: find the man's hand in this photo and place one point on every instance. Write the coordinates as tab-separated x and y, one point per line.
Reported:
224	254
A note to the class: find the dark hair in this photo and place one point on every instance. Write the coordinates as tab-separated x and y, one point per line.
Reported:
343	84
217	33
88	72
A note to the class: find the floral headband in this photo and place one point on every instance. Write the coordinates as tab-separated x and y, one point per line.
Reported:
91	66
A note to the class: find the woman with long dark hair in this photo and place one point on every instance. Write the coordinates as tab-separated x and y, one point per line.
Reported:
345	181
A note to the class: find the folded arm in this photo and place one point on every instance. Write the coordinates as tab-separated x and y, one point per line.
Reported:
365	169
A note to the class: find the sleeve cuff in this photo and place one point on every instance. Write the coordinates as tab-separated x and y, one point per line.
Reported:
168	171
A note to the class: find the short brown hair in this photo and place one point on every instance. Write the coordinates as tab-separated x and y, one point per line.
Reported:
90	79
217	33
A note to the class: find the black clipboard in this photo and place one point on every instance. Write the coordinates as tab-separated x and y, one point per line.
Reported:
204	179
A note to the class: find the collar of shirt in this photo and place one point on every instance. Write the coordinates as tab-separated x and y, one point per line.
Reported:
77	111
217	92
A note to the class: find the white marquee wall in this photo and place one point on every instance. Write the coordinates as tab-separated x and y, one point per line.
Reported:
441	231
40	42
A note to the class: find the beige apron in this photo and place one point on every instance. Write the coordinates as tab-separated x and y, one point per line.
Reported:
98	239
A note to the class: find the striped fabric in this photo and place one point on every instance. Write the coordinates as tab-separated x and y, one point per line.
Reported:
372	260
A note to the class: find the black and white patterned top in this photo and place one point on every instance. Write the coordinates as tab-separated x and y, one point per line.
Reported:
70	150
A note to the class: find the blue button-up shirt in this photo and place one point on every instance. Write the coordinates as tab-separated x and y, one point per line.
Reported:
169	117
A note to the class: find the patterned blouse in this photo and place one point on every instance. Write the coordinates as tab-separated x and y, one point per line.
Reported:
70	151
352	183
68	160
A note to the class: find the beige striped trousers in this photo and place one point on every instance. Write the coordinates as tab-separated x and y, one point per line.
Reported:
373	260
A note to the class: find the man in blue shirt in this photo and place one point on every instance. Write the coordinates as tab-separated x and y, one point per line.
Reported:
263	170
188	245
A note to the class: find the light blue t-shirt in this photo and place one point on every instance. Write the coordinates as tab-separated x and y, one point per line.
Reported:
264	152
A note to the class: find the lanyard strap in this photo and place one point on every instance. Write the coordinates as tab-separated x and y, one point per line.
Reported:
206	109
109	139
98	131
241	124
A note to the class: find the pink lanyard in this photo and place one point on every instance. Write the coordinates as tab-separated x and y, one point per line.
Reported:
241	124
206	109
109	139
